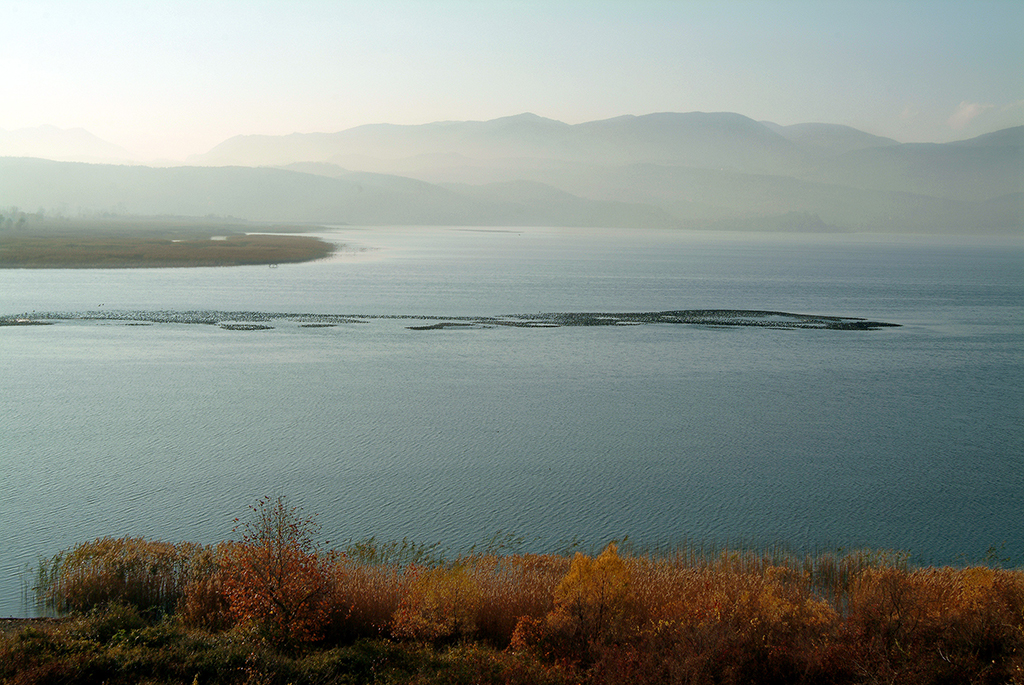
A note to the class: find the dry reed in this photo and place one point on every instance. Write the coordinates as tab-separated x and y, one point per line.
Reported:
731	617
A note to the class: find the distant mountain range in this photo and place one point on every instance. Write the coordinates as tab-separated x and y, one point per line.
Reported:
69	145
695	170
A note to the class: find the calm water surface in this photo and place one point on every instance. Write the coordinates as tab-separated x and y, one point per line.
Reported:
907	438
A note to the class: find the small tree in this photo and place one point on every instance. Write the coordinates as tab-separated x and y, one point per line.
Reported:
594	601
278	578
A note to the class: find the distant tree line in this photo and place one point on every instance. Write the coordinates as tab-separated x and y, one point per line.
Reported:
13	218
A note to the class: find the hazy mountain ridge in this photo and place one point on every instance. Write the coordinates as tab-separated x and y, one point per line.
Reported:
268	194
67	145
694	170
692	139
967	170
831	138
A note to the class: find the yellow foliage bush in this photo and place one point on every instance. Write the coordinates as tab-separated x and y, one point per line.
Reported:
594	602
441	603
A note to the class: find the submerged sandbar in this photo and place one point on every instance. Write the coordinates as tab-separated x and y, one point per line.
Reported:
263	320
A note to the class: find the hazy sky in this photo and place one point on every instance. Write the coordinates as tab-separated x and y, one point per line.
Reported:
172	78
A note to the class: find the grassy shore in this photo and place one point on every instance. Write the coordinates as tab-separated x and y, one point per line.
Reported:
150	243
274	607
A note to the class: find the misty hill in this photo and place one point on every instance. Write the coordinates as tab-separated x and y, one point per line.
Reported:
709	198
695	170
717	198
829	138
702	168
981	168
692	139
50	142
268	194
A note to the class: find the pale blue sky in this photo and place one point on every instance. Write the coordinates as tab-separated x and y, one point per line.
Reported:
173	78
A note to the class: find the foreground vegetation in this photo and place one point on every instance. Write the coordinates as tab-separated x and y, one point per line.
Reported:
43	244
274	607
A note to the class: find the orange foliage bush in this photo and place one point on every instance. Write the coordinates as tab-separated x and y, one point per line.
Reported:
365	597
942	622
277	578
747	619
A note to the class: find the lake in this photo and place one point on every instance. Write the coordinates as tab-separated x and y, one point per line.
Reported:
908	437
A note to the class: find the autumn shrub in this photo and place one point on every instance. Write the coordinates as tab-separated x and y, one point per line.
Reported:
368	580
776	629
277	578
593	605
736	619
374	596
441	603
988	611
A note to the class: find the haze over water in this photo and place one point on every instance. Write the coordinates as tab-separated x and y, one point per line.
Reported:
906	438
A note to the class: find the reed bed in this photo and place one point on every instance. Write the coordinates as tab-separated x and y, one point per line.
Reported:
148	574
730	616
